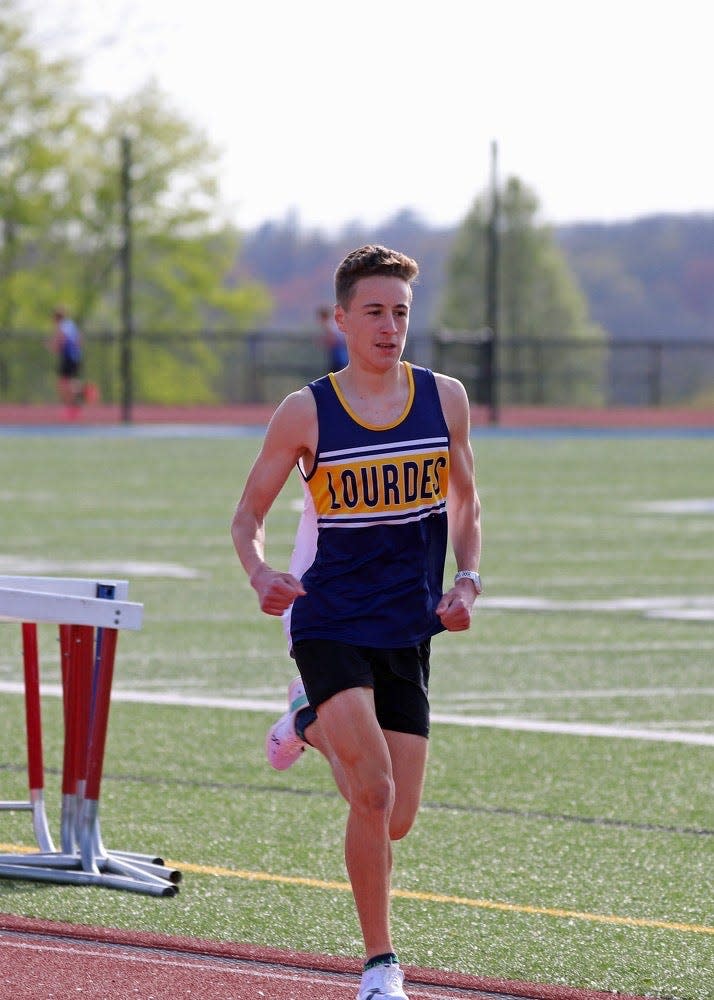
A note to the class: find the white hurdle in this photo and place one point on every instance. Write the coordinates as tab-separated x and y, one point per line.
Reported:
89	614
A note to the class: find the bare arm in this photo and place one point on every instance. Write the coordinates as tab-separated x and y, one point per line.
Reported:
464	507
291	435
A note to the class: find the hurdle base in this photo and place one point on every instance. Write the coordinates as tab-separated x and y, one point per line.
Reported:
110	871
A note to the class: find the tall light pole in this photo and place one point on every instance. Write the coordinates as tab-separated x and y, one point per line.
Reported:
492	255
127	322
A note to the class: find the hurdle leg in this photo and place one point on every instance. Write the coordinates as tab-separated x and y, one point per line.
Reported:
96	745
83	710
103	591
68	818
76	645
33	720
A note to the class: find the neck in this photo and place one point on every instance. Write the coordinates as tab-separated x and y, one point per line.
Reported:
370	383
377	398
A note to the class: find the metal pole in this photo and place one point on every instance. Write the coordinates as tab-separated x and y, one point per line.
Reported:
492	246
127	331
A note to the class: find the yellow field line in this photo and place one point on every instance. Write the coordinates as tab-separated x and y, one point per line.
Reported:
428	897
435	897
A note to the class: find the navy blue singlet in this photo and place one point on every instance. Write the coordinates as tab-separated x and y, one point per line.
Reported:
379	496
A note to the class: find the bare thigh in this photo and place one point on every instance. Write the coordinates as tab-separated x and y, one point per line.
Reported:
349	726
374	762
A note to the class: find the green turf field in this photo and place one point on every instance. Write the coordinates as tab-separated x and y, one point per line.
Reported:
553	853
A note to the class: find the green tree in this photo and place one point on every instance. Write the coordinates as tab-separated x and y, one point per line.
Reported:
540	306
61	219
183	249
41	116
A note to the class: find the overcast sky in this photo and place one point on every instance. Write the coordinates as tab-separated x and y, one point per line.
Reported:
340	111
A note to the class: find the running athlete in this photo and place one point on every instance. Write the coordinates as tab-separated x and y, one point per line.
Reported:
384	453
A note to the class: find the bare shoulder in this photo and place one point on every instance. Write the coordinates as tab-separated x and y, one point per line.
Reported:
294	423
300	403
454	401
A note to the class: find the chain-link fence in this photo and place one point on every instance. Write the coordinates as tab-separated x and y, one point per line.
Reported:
264	365
557	371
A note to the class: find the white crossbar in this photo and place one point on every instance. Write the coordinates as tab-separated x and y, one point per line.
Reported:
72	586
24	605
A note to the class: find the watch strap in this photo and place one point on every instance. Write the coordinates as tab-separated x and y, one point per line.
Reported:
473	576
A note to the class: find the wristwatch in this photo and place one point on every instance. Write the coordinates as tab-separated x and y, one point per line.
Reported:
469	574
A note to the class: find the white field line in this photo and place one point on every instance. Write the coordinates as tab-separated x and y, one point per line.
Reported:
577	694
124	568
472	721
694	607
576	729
695	505
683	614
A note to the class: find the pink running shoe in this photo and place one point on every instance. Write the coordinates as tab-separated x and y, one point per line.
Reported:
283	746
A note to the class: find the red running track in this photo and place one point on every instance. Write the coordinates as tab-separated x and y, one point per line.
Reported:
43	960
97	414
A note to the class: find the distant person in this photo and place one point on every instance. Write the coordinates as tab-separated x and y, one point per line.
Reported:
67	345
333	339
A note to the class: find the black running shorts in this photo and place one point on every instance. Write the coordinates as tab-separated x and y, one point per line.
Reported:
67	367
399	678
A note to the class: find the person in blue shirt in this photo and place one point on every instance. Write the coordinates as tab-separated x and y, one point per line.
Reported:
384	454
333	339
67	345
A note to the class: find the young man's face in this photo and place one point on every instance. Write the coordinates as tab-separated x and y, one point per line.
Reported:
375	324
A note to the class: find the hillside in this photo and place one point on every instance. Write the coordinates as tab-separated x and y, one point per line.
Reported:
651	278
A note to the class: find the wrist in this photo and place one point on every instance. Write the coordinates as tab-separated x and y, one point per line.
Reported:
473	577
253	578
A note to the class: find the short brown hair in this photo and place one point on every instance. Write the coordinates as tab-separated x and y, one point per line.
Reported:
367	261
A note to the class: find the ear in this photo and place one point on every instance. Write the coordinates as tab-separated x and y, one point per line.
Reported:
340	318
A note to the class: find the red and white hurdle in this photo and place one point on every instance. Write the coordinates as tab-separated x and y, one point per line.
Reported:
89	614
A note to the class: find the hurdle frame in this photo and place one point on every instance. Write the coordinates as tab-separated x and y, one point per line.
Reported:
89	613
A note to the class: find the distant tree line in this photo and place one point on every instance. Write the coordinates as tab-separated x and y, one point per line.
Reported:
649	279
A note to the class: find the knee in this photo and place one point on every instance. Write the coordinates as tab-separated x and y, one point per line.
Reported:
375	797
